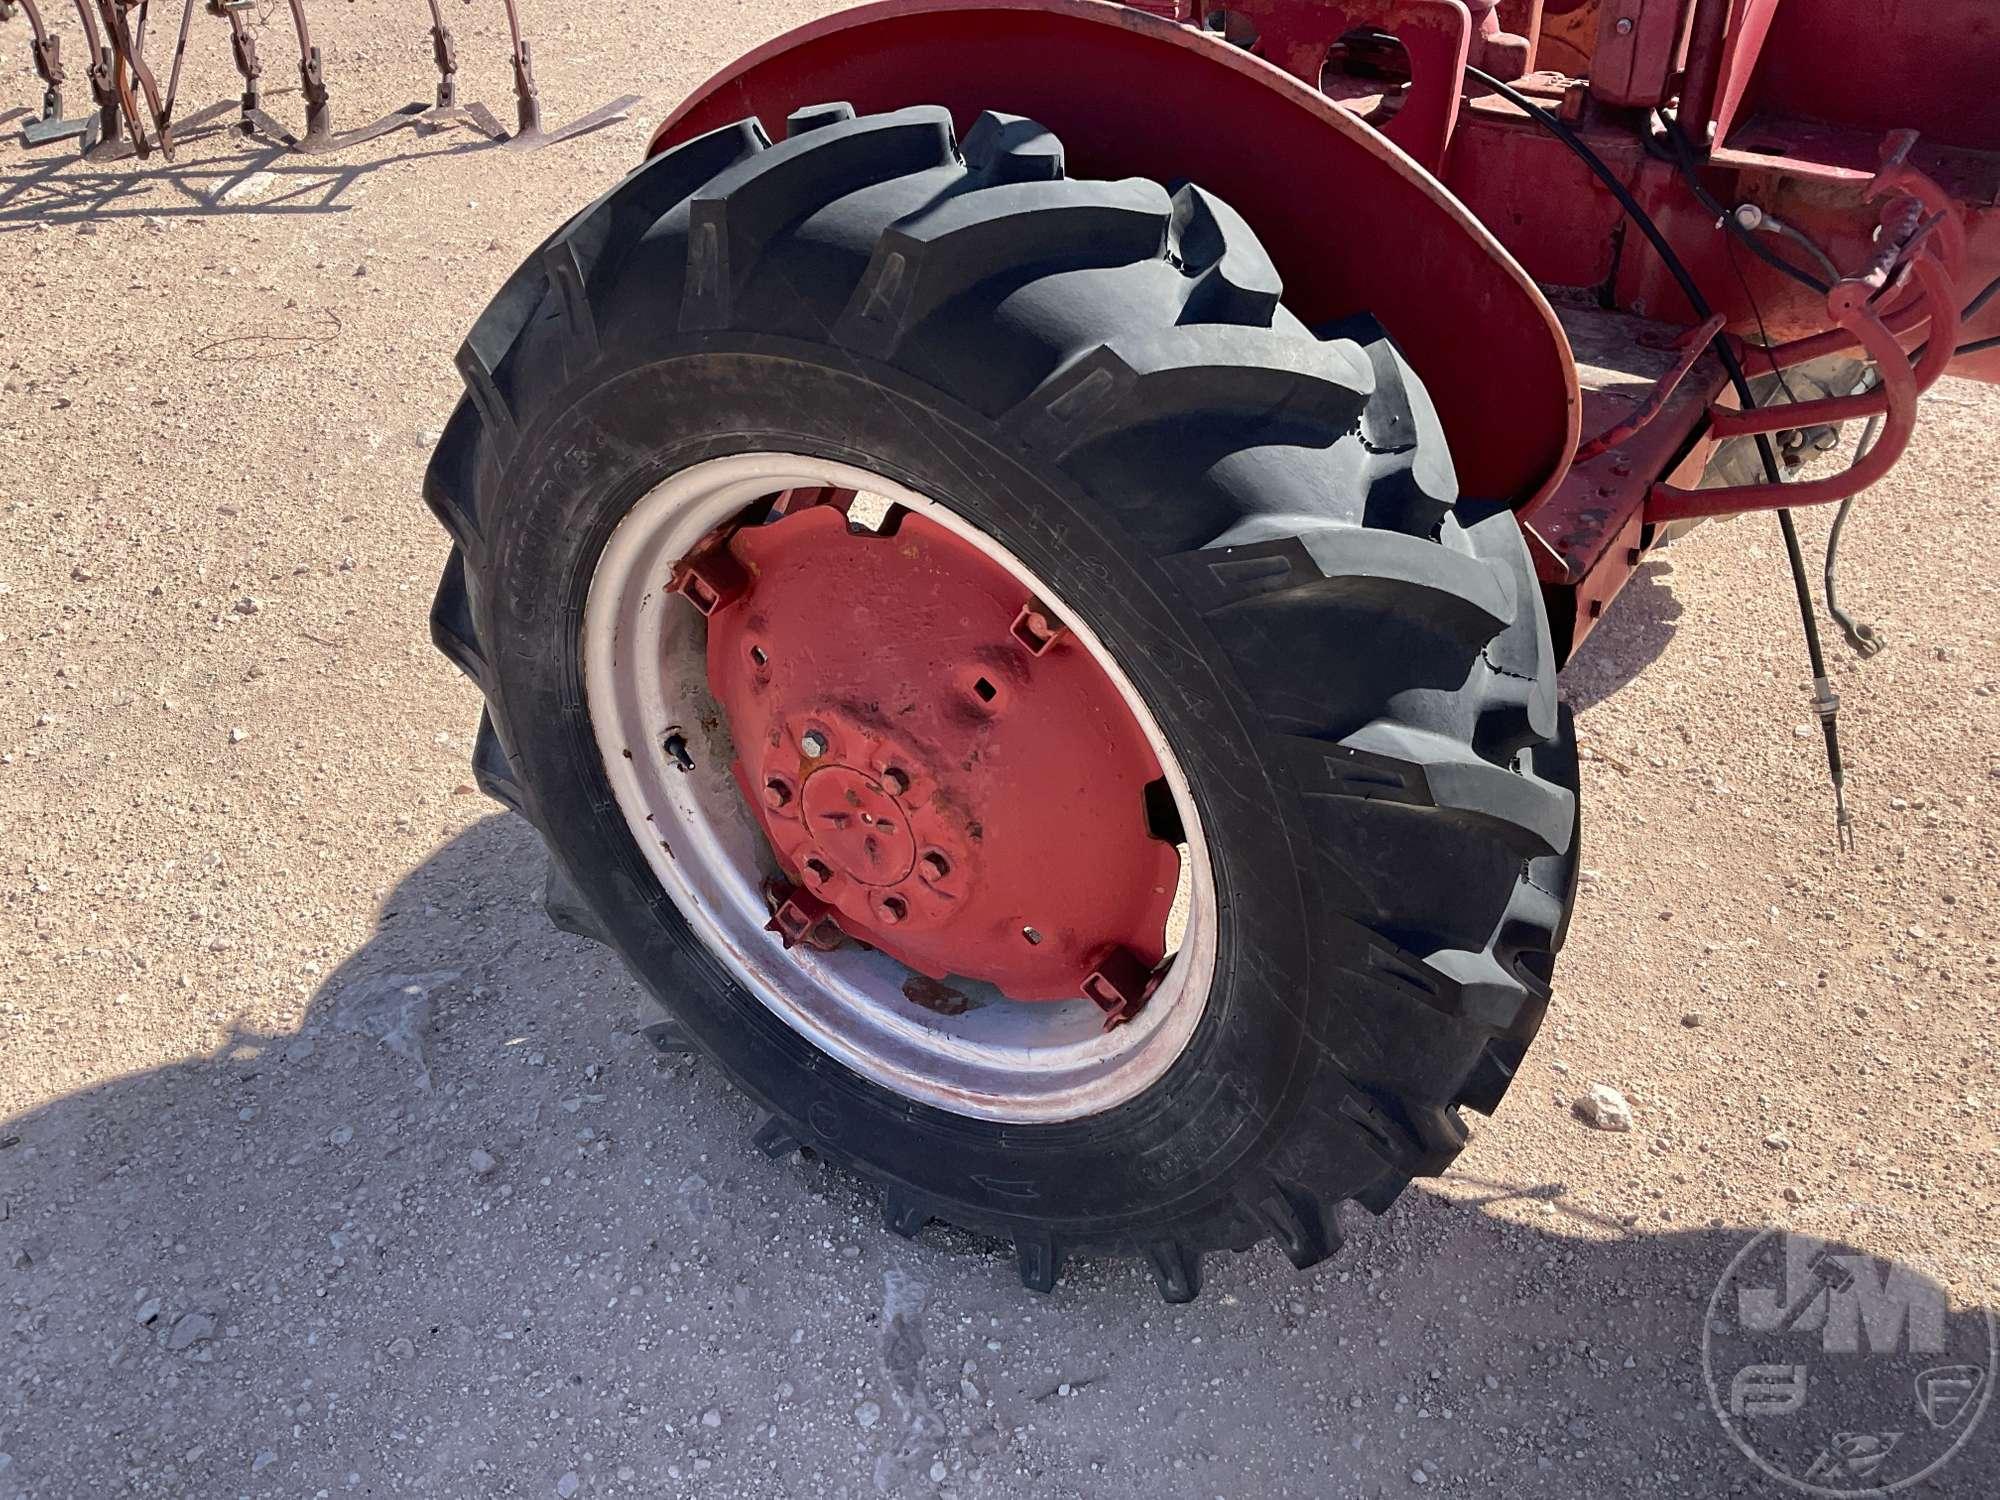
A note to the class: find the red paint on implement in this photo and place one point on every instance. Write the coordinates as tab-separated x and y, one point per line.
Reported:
935	785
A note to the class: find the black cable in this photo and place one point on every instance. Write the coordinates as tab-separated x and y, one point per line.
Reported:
1763	333
1978	304
1860	635
1681	155
1825	701
1971	311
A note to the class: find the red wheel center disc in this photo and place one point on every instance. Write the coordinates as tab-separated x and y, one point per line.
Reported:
862	830
943	770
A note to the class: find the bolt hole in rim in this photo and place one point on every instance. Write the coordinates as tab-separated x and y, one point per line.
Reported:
646	678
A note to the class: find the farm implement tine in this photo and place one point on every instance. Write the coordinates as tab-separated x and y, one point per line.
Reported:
46	51
530	134
243	48
448	111
320	137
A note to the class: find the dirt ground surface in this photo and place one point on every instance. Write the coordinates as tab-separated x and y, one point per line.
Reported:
327	1167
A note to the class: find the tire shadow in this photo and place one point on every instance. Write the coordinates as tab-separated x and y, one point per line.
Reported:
1634	632
464	1232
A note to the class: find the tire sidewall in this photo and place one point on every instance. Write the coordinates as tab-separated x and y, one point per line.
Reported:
1183	1142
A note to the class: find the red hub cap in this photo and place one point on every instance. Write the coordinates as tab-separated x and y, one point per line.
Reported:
944	771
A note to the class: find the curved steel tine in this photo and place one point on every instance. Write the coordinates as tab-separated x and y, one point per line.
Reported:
531	136
605	114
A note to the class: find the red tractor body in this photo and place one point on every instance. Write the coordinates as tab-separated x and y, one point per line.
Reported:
1570	372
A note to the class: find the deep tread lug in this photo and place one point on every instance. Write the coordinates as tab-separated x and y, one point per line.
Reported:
1390	762
569	278
734	216
1379	1196
1404	427
926	259
668	1038
1492	1075
1466	986
597	240
1204	367
1382	571
775	1139
1039	1260
1521	702
567	910
1296	1221
817	117
904	1216
1234	278
1007	148
450	481
493	768
452	630
1176	1269
477	361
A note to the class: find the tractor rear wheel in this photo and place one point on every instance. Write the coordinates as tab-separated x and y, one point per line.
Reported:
1037	715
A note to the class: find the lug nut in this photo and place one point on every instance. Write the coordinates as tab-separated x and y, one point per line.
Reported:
818	872
896	780
813	744
933	867
776	793
892	909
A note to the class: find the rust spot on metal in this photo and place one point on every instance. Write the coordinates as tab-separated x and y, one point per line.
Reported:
919	989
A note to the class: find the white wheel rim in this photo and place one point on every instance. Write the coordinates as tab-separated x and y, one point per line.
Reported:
645	677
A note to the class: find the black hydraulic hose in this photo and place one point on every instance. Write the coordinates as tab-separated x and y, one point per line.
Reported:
1825	701
1970	311
1860	635
1681	154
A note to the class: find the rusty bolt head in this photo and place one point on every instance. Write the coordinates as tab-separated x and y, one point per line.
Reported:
813	744
892	909
933	867
776	792
895	780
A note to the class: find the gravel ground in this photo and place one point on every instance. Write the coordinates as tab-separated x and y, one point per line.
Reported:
328	1167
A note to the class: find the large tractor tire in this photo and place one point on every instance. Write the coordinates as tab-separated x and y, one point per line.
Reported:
1038	715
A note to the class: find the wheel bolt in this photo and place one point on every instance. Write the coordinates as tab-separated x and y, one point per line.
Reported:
818	872
896	780
933	867
813	744
776	793
892	909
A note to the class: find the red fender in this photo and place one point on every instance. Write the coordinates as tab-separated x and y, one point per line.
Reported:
1353	224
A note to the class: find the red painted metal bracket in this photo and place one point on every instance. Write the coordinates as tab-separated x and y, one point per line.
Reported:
1693	345
1436	36
1912	272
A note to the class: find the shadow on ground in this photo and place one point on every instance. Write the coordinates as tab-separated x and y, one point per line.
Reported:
1635	630
296	1267
56	187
